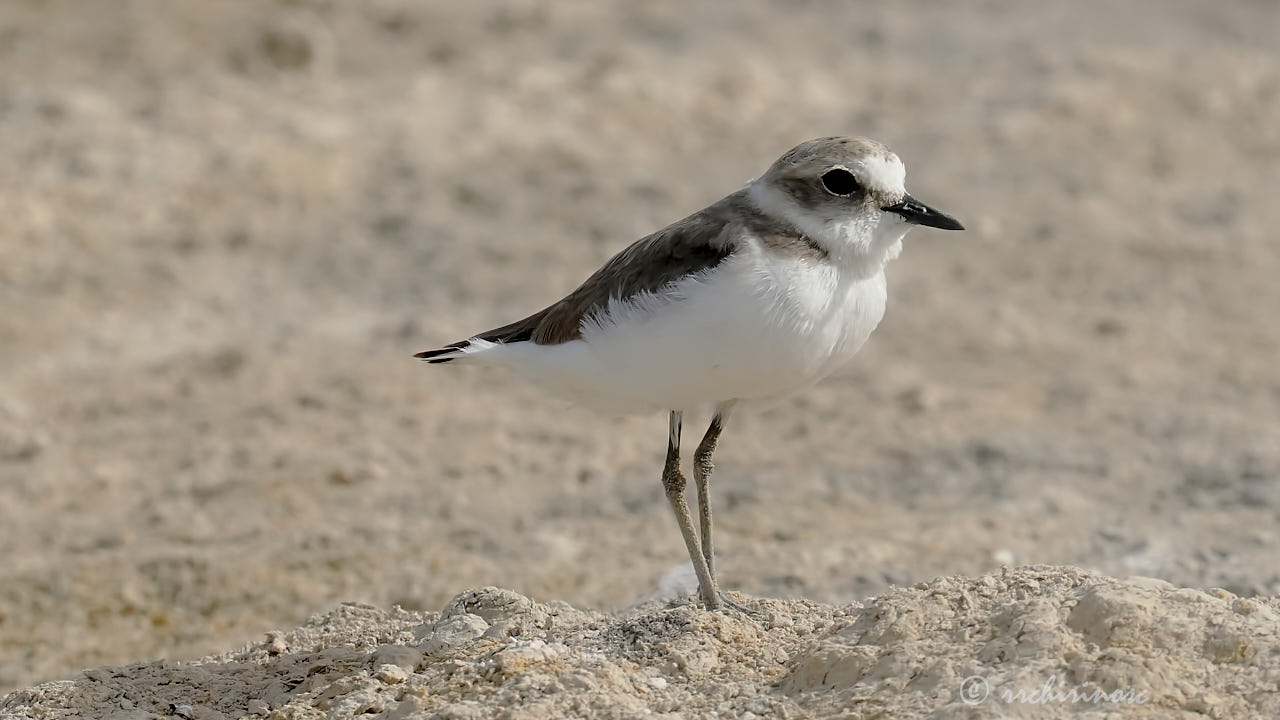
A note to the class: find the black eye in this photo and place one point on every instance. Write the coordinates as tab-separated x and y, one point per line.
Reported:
839	181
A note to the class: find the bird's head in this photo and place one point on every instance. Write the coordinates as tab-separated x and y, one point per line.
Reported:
847	194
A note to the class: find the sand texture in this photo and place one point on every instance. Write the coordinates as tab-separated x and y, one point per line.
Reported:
225	227
1009	644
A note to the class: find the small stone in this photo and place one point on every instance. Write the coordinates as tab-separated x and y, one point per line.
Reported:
454	631
693	662
408	706
276	644
391	674
452	666
405	657
367	700
490	603
258	707
520	655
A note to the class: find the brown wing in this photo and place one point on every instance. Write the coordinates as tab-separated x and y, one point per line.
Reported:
696	243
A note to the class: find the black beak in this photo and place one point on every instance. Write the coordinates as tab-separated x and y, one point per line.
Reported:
914	211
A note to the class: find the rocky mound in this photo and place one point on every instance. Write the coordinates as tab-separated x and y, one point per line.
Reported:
1034	642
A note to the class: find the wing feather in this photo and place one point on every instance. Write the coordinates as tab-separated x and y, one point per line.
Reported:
692	245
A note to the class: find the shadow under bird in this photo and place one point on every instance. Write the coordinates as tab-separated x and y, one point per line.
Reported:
756	297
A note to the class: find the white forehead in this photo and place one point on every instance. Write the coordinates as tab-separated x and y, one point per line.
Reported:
883	171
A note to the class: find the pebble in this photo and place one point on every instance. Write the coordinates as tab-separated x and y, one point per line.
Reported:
454	631
523	653
276	644
405	657
490	603
391	674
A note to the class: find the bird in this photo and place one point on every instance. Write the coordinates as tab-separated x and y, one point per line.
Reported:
752	299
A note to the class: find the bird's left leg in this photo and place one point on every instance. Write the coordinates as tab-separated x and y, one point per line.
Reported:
702	468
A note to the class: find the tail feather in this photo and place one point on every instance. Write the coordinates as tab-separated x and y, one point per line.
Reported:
446	353
516	332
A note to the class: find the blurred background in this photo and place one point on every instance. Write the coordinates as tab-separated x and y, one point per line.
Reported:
227	226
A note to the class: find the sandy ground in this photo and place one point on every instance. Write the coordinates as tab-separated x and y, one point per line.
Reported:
227	226
1038	642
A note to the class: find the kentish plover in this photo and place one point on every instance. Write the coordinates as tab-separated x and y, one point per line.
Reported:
760	295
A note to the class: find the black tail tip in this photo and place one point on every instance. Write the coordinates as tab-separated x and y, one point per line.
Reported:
428	355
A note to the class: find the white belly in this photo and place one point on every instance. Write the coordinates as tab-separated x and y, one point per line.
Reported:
757	327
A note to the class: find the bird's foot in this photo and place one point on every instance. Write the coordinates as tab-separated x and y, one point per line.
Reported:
727	605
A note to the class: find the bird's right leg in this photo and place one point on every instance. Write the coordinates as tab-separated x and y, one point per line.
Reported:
673	483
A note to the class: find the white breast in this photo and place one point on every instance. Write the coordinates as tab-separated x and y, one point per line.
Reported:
756	327
819	315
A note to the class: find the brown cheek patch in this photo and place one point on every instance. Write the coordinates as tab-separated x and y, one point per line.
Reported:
806	192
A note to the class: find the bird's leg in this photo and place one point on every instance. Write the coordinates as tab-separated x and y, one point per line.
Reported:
673	483
702	468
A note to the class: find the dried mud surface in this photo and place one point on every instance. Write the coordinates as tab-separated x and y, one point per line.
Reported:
227	226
